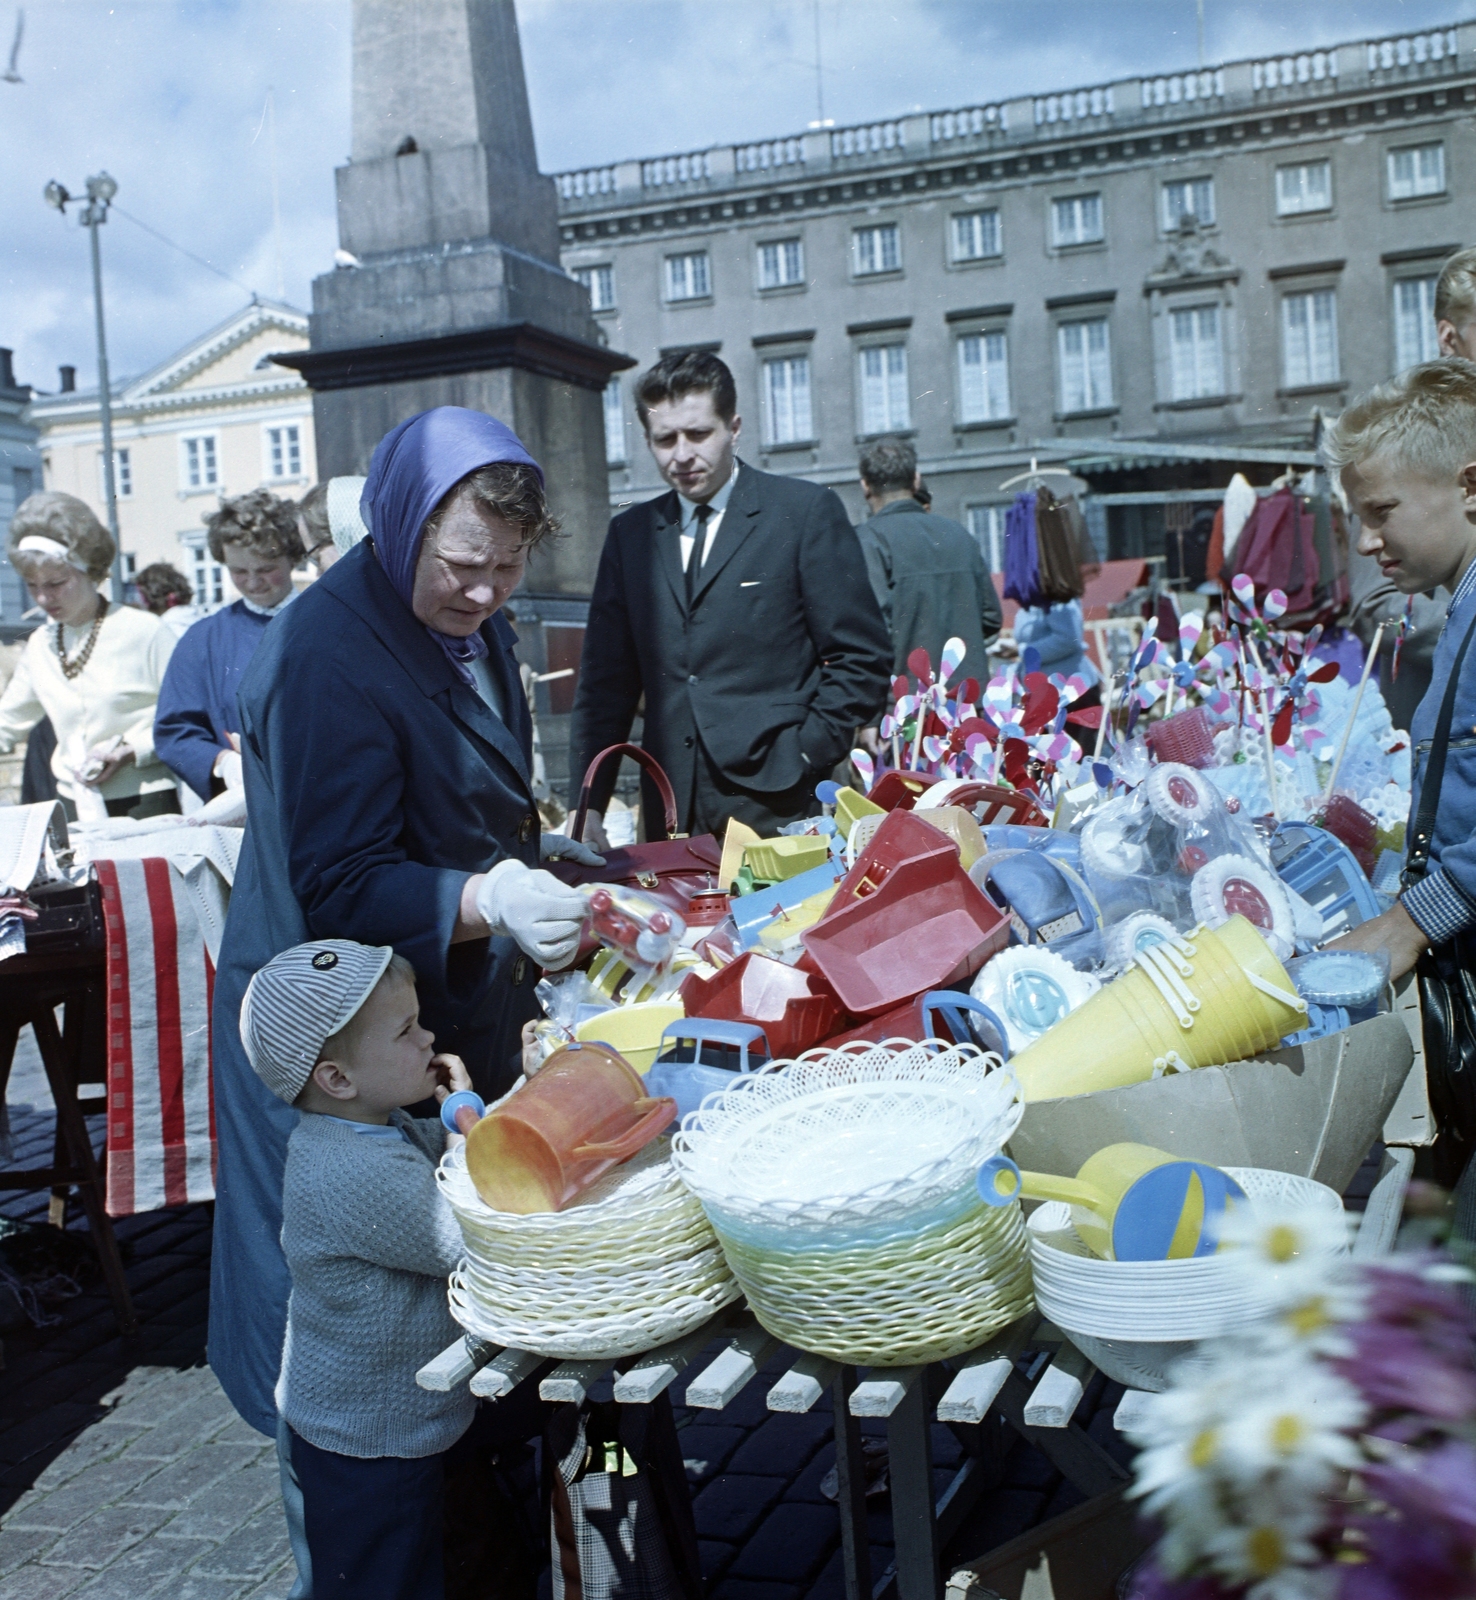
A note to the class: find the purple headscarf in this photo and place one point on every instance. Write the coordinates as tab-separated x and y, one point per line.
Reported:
412	468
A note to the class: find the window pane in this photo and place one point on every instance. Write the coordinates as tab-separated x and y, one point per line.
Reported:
768	265
1086	365
983	374
1414	323
787	400
687	277
877	249
1309	333
1196	361
794	265
699	276
1304	188
987	524
884	398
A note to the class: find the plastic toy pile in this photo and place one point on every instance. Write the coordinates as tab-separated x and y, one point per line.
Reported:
1021	902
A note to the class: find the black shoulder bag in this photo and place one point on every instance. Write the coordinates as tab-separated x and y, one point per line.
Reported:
1446	976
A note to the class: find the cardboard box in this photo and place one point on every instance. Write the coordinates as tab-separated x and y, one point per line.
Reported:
1314	1110
1411	1122
1079	1555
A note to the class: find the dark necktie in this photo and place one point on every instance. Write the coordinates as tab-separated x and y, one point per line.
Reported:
699	544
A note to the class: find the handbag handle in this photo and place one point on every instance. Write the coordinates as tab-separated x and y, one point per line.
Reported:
642	758
1418	862
658	1112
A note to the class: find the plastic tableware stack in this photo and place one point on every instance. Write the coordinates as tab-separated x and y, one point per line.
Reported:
630	1264
841	1186
1132	1318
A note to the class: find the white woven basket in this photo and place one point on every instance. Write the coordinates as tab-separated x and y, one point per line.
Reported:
631	1264
842	1188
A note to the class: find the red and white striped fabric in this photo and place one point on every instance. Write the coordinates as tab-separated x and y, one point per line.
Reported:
161	1108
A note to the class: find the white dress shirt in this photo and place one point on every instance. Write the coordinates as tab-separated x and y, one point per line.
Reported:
718	504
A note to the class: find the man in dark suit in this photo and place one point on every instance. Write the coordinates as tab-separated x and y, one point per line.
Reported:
739	606
927	571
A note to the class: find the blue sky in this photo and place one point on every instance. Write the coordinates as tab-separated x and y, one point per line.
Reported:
170	95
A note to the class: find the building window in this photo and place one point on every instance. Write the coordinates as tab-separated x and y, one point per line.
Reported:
1417	171
1309	331
976	236
688	277
1078	220
987	524
1305	187
600	281
199	462
1414	322
284	451
207	576
1086	365
1193	198
781	263
876	249
122	475
787	415
1197	361
884	407
614	424
983	378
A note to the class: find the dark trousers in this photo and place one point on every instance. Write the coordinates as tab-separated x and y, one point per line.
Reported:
716	797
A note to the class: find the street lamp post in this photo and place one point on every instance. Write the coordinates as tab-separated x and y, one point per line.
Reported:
100	192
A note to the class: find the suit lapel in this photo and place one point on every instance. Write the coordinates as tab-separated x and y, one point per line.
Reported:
737	524
666	535
468	707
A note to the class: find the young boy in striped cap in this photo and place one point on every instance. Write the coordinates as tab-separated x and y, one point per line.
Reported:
332	1027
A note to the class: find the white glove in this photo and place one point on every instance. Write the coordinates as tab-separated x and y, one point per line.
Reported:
559	847
228	769
534	908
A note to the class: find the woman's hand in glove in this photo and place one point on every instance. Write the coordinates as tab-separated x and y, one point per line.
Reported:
559	847
543	915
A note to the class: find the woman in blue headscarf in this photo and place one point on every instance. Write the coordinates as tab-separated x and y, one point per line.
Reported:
386	747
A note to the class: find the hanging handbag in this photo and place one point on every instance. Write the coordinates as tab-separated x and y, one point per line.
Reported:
1445	973
673	868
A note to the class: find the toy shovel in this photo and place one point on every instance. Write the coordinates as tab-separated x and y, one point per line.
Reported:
1129	1202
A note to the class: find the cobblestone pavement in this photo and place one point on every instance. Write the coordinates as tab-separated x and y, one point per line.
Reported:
124	1472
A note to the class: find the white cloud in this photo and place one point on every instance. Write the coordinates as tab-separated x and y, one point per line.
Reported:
168	96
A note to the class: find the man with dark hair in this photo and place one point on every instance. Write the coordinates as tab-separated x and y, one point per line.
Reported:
928	575
738	606
256	537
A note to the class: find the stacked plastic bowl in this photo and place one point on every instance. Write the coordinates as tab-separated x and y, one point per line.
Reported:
628	1265
1133	1318
841	1187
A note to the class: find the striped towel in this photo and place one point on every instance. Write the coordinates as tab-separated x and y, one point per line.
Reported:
161	1109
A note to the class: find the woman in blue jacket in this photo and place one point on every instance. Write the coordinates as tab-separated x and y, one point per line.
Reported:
386	747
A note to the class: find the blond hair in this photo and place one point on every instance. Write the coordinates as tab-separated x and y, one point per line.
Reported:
1455	290
1424	419
49	514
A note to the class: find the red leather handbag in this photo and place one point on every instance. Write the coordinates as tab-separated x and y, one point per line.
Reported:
673	869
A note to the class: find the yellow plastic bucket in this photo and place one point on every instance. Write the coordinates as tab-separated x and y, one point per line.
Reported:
1130	1030
633	1031
850	807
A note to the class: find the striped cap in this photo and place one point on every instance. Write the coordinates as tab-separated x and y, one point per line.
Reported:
301	998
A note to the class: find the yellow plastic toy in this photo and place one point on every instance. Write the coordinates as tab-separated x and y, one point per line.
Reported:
850	807
961	827
634	1031
735	841
1198	1001
1129	1202
774	860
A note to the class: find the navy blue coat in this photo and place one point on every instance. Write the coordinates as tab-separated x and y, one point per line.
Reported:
197	700
377	781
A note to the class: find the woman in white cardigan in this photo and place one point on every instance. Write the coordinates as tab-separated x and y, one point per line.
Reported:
94	667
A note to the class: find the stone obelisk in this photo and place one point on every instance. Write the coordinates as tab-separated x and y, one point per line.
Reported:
457	297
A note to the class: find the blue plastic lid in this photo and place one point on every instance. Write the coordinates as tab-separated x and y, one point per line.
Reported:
1348	978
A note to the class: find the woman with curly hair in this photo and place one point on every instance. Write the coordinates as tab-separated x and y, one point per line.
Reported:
94	668
256	537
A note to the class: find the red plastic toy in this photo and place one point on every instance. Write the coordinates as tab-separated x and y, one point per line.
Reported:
794	1006
641	931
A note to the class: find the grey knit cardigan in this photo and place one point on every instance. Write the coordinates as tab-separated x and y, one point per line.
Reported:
370	1242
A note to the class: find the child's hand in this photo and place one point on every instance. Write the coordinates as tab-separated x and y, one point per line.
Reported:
451	1075
532	1050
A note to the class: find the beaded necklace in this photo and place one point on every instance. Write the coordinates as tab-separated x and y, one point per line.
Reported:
73	668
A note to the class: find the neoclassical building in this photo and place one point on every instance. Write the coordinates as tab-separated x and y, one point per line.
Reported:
216	418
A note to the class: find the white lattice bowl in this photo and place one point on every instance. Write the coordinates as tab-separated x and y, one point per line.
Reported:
841	1186
1154	1302
630	1264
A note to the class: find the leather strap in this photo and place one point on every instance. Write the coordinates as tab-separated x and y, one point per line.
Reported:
641	758
1417	864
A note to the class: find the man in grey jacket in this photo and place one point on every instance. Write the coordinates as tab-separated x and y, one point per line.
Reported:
926	571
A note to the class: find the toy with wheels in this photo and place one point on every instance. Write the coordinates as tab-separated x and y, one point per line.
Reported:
1217	995
640	930
1031	990
1232	886
1129	1202
700	1055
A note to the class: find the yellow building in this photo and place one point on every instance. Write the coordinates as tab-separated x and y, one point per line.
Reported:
215	419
